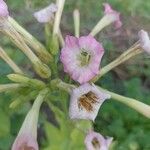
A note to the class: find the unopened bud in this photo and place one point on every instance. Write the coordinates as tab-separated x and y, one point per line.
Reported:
42	69
27	81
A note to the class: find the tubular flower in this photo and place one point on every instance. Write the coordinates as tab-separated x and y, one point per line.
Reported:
114	15
27	136
144	41
3	9
81	57
86	101
95	141
47	14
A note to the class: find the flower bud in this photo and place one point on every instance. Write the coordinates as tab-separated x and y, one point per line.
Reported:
11	86
42	69
27	81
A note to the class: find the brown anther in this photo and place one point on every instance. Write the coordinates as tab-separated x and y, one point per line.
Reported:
96	143
87	100
25	147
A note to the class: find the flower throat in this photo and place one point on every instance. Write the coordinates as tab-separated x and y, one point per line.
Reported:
86	101
84	58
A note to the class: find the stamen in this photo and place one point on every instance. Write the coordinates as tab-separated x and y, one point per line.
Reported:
96	143
87	100
25	147
84	58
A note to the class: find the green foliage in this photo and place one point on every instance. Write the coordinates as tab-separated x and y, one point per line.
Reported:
5	124
130	130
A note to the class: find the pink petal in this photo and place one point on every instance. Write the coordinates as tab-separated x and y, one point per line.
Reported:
25	141
71	42
144	41
75	112
85	76
109	11
107	8
3	9
104	143
47	14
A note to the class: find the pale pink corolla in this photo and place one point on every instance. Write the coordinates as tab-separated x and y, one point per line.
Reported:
46	14
81	57
144	41
3	9
27	136
86	101
113	15
95	141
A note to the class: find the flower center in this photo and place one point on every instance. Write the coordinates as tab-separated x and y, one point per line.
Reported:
84	58
96	143
25	147
87	100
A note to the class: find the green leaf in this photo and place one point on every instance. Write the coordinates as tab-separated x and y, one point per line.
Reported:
4	124
52	133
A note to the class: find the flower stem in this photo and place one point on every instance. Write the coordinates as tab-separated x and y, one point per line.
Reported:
103	22
31	119
131	52
140	107
62	85
76	17
61	39
9	61
60	5
39	49
41	69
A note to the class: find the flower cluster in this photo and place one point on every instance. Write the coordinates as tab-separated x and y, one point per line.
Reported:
81	59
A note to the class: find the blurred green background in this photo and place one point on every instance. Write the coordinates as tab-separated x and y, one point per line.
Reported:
131	131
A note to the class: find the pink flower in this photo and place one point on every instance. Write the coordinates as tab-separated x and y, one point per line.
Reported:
86	101
95	141
81	57
47	14
27	136
144	41
25	142
114	15
3	9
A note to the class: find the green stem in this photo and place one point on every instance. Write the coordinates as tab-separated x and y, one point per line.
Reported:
32	41
76	17
130	53
9	61
140	107
48	35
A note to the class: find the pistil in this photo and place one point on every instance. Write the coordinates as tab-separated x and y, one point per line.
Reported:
84	58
